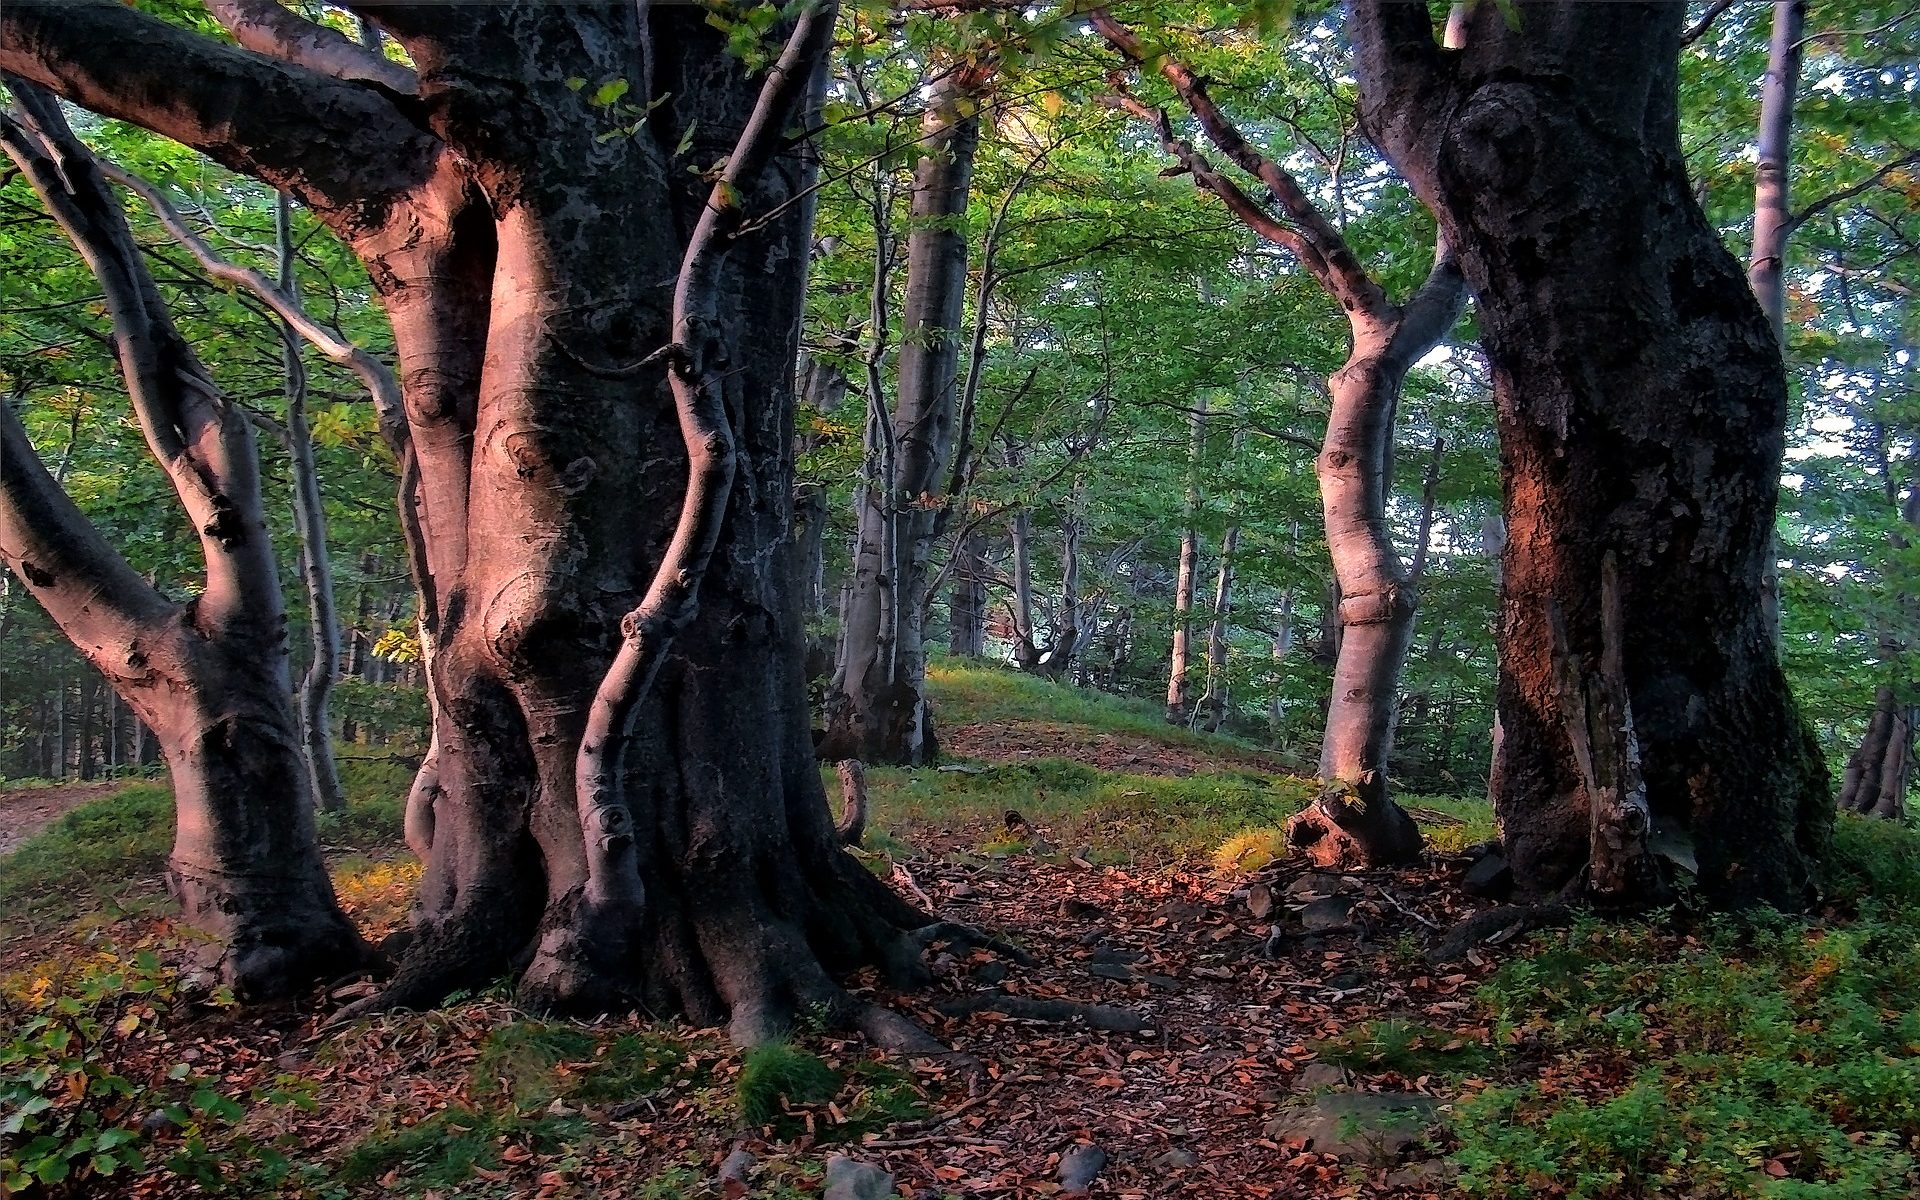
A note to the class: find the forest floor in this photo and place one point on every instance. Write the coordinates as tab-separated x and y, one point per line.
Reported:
25	811
1284	1032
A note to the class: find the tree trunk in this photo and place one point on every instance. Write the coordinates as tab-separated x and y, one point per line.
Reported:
1881	769
1772	218
209	677
1026	651
1179	666
316	563
1214	703
967	603
823	386
878	711
1641	404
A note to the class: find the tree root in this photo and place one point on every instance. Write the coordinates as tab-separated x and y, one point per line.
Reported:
1053	1012
1494	926
957	934
853	801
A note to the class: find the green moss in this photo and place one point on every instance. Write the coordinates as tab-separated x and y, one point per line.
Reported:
519	1061
632	1065
777	1073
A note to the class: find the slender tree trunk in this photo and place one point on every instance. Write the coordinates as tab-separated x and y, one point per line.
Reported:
316	563
1641	406
1282	647
1179	666
823	387
879	710
967	604
1026	652
1772	218
1215	703
209	677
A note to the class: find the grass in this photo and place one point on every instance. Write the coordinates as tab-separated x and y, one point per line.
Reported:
89	852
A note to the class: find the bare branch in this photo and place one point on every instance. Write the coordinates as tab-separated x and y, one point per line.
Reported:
1845	194
265	27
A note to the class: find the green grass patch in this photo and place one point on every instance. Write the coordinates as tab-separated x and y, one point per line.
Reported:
1766	1056
776	1075
1404	1047
443	1150
102	845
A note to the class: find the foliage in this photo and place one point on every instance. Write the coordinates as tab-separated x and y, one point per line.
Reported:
776	1074
80	1087
1763	1056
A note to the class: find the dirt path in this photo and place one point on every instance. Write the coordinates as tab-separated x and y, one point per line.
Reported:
26	811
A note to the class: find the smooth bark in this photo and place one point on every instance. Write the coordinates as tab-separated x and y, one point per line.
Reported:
209	676
878	710
1641	404
1179	666
1354	821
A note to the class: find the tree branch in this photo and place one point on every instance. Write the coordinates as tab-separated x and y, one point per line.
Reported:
342	147
266	27
1332	263
1847	193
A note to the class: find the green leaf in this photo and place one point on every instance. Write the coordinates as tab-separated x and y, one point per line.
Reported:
608	92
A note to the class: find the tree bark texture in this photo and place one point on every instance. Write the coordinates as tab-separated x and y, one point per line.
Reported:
967	602
878	709
1880	770
210	676
1640	402
571	311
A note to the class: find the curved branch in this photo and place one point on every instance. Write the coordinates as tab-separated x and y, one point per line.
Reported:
1338	270
266	27
344	148
694	374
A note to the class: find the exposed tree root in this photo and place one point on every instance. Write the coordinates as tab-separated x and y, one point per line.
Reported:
1341	831
957	934
1495	926
1054	1012
853	800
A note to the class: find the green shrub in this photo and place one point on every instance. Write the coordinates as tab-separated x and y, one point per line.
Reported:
72	1102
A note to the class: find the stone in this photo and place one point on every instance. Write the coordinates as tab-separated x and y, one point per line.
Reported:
738	1165
1181	911
1434	1177
1177	1159
1079	909
1315	884
1373	1128
850	1179
1329	914
991	972
1318	1074
1489	877
1079	1167
1115	971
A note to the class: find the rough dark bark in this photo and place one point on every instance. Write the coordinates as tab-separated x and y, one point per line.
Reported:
1641	404
548	428
210	676
877	710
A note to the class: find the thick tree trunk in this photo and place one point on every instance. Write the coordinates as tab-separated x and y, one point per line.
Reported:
1179	666
878	711
1640	402
210	677
316	563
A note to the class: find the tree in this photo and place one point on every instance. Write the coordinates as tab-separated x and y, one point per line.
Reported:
1641	407
597	348
878	709
209	675
1354	819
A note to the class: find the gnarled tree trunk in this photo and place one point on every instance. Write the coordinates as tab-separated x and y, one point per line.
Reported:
597	350
1880	771
1641	405
877	710
1354	821
210	676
